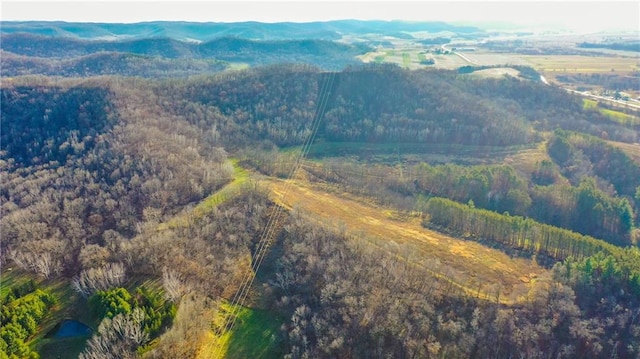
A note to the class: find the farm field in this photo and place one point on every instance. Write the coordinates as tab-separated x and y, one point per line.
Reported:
617	116
410	58
559	64
413	152
486	58
550	65
496	72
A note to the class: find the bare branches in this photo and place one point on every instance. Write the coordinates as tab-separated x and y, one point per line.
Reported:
44	263
117	338
174	286
92	280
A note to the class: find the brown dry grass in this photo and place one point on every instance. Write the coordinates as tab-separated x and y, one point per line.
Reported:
631	149
527	161
469	265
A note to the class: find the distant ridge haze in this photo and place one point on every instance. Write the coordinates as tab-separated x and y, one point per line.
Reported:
580	16
329	30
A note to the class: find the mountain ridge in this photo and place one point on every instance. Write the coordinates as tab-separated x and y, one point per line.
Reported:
204	31
323	53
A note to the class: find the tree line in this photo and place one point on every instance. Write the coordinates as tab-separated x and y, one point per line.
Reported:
512	231
591	207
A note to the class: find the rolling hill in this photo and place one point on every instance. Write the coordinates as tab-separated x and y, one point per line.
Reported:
331	30
439	214
102	57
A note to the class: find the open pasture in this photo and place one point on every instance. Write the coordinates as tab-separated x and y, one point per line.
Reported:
560	64
487	58
496	72
411	57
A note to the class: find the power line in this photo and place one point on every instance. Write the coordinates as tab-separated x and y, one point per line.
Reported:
270	228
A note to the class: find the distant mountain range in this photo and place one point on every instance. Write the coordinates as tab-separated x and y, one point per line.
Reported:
192	31
36	48
164	49
228	48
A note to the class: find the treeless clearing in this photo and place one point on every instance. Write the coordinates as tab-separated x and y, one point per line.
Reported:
559	64
411	57
631	149
497	72
467	264
449	62
489	58
527	161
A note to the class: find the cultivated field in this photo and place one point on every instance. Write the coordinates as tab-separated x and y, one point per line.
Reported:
550	65
496	72
411	57
487	58
559	64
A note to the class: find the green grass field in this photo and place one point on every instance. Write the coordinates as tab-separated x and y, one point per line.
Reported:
406	59
617	116
380	59
254	334
228	191
54	348
10	278
240	177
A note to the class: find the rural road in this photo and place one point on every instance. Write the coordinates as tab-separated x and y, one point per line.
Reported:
617	102
473	62
465	58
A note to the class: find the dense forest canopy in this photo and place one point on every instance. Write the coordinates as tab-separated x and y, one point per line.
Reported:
108	180
382	103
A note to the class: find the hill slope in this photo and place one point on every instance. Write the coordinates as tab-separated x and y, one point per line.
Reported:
331	30
157	53
465	263
112	170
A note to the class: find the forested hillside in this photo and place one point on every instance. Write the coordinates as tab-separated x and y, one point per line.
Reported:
108	63
28	54
79	169
386	104
147	198
198	31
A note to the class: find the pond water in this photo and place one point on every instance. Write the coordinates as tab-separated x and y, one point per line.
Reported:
72	328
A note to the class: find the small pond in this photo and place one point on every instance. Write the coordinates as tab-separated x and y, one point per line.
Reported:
71	328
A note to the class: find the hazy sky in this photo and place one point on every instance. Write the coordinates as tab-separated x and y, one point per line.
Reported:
577	15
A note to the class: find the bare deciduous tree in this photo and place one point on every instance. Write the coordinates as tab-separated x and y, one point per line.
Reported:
44	264
94	279
174	286
190	326
117	338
